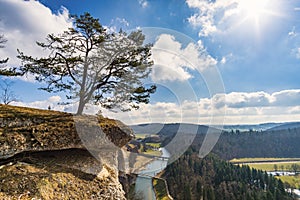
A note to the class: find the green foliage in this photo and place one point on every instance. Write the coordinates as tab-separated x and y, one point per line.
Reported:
160	189
212	178
265	144
93	64
271	144
292	181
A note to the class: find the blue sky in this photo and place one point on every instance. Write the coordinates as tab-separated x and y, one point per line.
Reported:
238	56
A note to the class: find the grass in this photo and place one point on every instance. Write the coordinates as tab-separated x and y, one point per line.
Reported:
267	164
154	145
160	189
152	152
245	160
140	136
293	181
270	166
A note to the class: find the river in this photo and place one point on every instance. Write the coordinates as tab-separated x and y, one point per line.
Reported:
143	183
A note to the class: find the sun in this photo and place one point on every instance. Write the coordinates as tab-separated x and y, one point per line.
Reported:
256	15
254	9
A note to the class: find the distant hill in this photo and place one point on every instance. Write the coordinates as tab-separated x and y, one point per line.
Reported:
170	129
254	127
285	126
155	128
283	142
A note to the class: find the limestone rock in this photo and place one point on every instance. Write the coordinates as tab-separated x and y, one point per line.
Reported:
54	155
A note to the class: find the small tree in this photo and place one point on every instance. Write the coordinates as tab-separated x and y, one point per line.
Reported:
92	64
275	167
7	95
295	167
282	167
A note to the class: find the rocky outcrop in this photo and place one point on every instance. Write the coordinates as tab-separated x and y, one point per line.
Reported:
24	129
54	155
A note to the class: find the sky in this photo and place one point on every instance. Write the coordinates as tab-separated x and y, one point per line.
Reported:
216	61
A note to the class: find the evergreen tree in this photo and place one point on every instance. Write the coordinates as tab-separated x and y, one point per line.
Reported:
93	65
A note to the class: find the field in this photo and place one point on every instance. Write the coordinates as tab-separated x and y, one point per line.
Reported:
140	136
281	166
152	152
293	181
269	164
154	145
248	160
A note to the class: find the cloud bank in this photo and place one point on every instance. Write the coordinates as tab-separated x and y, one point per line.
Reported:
241	108
25	22
172	61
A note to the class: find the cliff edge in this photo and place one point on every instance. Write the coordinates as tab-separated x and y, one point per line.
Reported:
44	155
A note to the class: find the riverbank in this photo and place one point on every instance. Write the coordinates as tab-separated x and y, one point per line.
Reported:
144	180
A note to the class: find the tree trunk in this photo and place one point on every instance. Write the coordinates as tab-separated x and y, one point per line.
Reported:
80	106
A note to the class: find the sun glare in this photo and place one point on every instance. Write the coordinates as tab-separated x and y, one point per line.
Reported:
256	14
254	9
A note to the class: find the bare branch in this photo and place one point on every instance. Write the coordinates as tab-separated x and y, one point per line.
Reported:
7	95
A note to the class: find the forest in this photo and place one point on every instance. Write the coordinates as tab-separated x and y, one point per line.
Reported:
282	143
214	179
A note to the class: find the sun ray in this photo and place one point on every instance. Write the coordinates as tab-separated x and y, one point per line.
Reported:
255	14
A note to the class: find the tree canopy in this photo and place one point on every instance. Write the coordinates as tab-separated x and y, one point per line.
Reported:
93	64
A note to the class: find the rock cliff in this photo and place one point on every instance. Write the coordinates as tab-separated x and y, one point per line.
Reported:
54	155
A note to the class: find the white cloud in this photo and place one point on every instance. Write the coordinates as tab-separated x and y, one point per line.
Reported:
255	107
211	16
143	3
51	101
241	108
223	60
117	24
173	61
240	100
293	33
25	22
221	16
284	98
